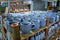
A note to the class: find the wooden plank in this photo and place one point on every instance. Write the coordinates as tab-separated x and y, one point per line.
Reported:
24	36
53	23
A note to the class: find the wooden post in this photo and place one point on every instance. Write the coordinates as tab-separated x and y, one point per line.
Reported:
46	28
47	21
59	17
59	28
15	31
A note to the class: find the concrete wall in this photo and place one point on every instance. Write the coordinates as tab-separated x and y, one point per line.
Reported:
38	5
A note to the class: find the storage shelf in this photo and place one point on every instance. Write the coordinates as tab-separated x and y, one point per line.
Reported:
24	36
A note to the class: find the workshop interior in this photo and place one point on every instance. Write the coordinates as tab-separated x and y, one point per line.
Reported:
29	19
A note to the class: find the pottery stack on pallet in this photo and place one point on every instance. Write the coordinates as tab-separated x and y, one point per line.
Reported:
31	21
